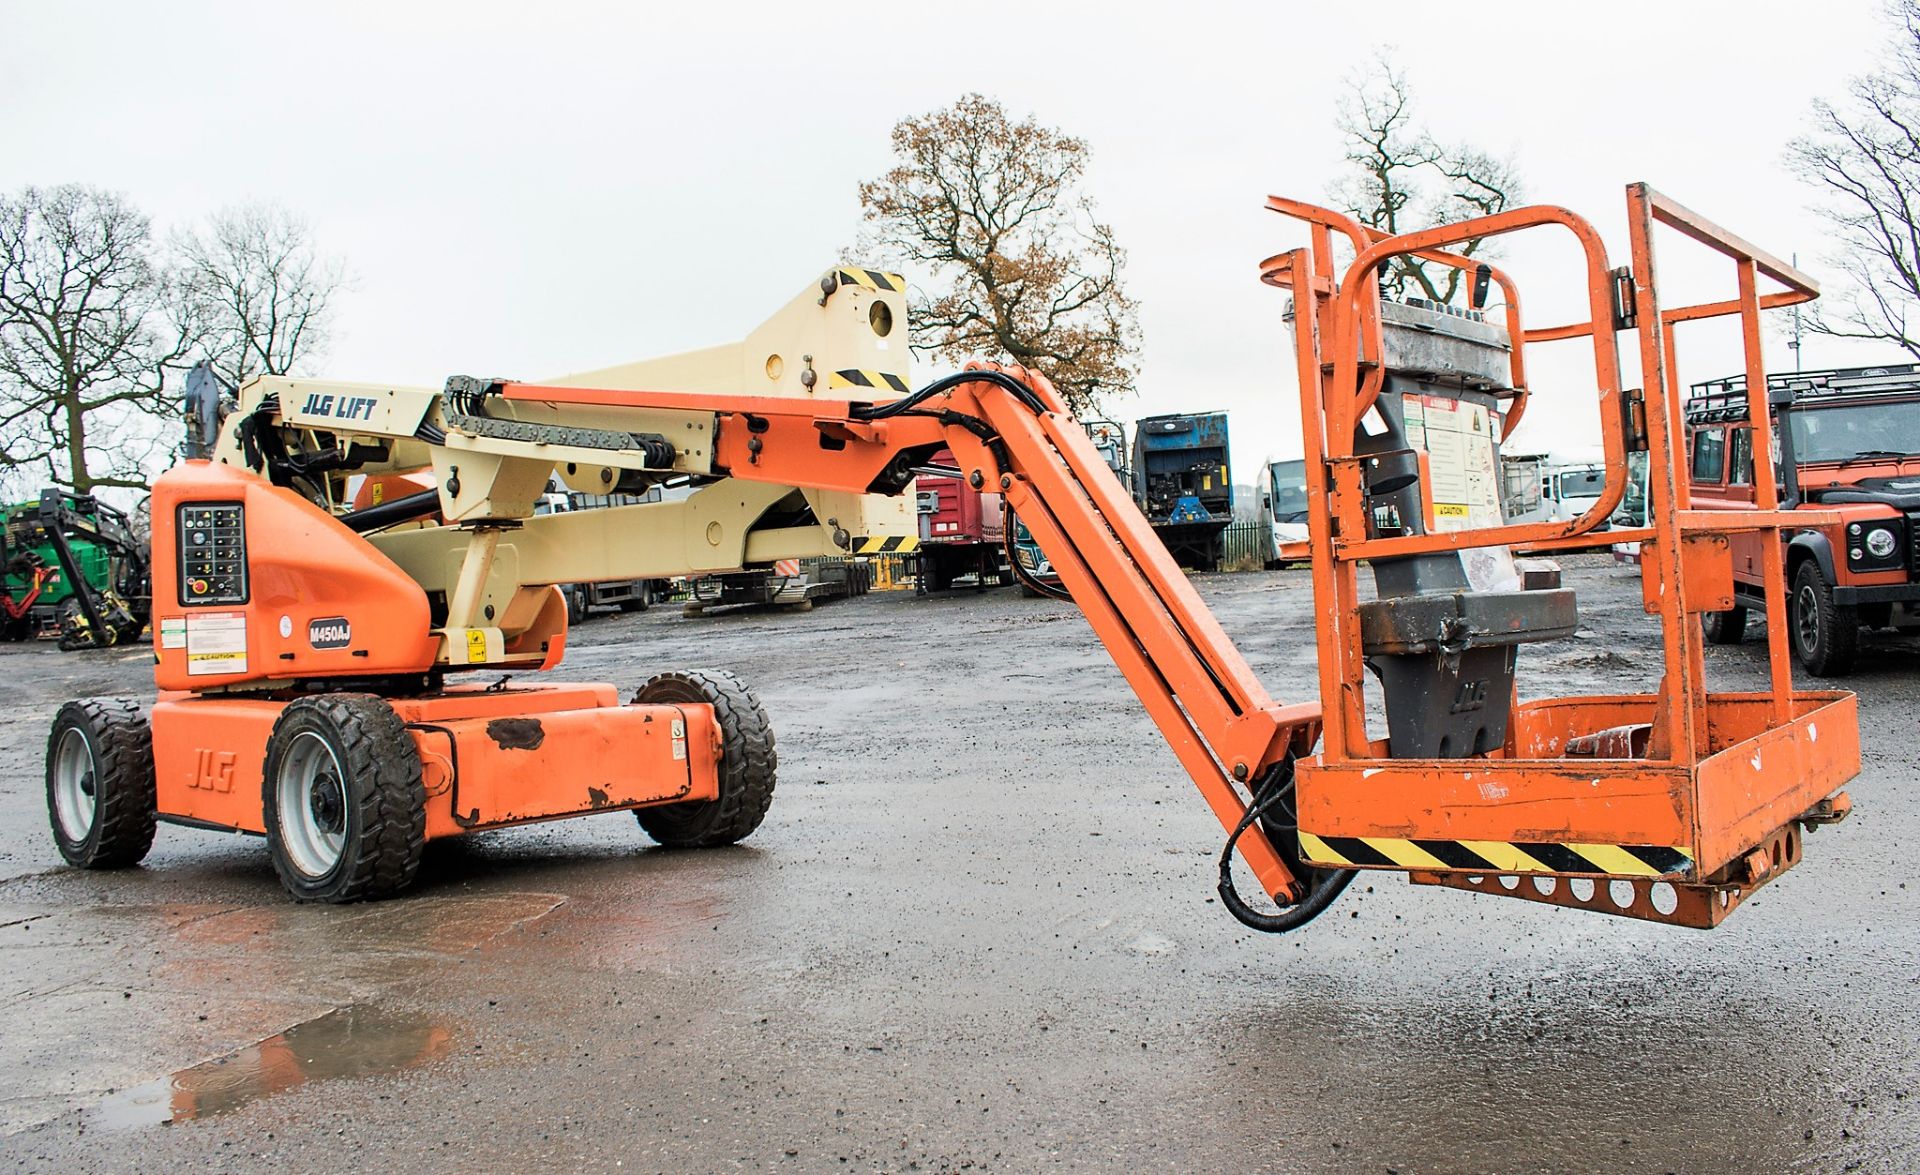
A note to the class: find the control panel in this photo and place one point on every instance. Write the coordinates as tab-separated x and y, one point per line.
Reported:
213	553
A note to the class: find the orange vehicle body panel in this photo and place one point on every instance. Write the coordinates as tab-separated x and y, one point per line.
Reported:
305	569
505	757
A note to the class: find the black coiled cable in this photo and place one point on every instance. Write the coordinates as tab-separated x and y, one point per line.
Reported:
1326	884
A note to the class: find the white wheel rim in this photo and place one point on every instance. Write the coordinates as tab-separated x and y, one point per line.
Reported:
311	800
75	784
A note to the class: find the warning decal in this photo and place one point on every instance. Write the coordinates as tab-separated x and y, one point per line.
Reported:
173	632
1484	856
1464	479
216	643
1458	438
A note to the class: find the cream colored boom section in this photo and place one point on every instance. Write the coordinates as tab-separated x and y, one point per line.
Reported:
714	530
843	339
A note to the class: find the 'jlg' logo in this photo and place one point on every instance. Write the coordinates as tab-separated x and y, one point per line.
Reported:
213	770
339	407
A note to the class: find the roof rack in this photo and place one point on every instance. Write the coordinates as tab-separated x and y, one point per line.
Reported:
1723	400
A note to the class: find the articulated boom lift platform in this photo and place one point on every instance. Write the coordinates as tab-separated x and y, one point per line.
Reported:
310	652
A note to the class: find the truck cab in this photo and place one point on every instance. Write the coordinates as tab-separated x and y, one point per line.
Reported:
1570	488
1283	511
1849	444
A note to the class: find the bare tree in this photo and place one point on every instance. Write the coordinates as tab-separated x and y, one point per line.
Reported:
88	330
261	287
990	211
1863	157
1403	179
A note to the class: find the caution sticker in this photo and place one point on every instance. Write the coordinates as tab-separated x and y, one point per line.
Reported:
216	643
862	378
476	646
890	545
1485	856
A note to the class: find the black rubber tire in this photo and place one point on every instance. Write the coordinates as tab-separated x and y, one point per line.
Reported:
386	799
1031	593
1725	628
1825	635
73	627
576	597
120	745
638	601
748	762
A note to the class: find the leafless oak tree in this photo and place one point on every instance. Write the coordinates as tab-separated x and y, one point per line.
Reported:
260	286
88	330
989	213
1401	178
1863	158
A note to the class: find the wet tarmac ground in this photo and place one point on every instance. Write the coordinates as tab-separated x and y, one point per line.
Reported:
977	932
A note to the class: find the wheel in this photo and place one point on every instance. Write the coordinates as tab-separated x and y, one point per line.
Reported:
74	631
638	601
747	762
1826	635
1028	592
100	796
346	810
1725	628
576	602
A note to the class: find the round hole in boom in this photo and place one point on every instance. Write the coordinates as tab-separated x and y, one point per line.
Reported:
775	365
880	318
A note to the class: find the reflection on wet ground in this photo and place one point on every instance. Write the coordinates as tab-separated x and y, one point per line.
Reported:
346	1042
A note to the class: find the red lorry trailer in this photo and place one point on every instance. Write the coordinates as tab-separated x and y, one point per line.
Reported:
962	532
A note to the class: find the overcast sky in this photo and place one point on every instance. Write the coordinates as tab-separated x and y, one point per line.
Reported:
527	189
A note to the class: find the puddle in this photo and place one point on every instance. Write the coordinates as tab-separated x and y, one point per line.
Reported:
344	1043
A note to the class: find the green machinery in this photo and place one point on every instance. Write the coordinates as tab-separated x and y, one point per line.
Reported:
74	568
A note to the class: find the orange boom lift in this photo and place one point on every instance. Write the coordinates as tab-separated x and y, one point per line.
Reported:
306	653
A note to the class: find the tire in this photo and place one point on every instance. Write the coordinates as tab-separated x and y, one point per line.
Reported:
1825	635
638	601
576	603
100	795
73	627
1725	628
1030	593
747	762
346	809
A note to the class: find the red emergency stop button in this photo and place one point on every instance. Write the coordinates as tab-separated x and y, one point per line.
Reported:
199	587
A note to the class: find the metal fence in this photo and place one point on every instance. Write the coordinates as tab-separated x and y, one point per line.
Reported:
1247	546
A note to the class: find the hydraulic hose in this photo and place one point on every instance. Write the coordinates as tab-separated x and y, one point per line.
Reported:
1327	884
945	383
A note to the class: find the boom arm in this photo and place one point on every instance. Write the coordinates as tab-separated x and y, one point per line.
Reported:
1009	427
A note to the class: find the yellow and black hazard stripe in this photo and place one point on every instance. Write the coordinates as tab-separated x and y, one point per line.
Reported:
896	545
872	279
1496	856
884	381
